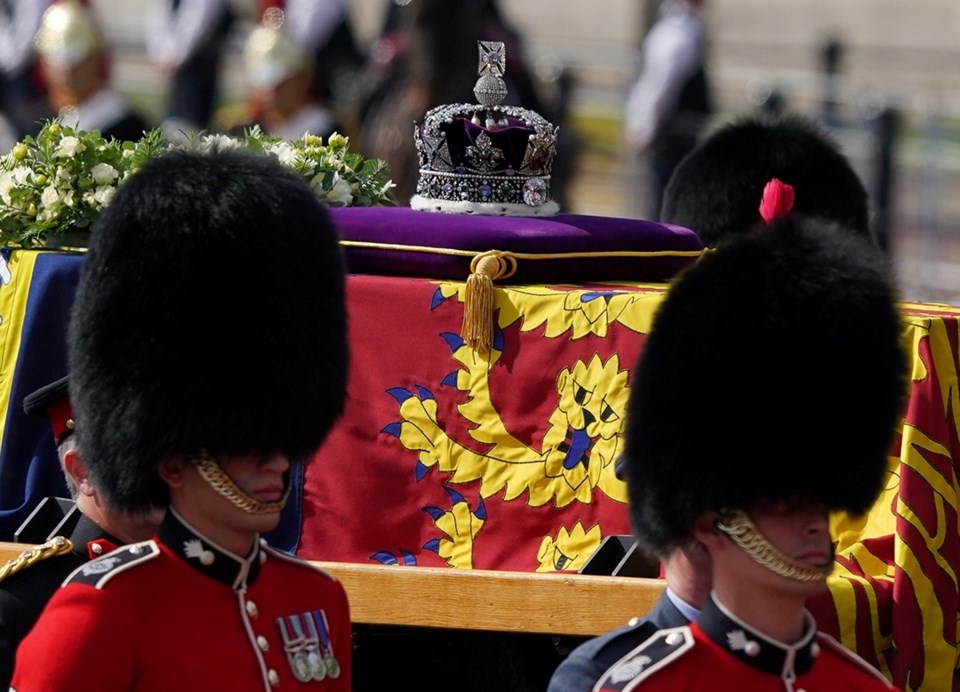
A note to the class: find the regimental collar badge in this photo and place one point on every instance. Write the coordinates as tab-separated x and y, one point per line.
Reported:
753	648
206	556
307	643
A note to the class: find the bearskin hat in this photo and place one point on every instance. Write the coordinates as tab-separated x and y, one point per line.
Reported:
716	188
210	316
774	370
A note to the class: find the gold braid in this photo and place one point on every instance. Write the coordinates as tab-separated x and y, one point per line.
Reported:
210	471
742	531
58	545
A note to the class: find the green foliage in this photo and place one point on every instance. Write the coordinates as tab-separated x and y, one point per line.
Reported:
61	180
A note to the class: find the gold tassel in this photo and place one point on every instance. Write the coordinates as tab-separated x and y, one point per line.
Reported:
478	301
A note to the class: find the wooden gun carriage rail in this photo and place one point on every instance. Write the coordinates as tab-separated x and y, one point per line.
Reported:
545	603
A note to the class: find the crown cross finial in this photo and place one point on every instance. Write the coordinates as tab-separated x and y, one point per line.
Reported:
490	88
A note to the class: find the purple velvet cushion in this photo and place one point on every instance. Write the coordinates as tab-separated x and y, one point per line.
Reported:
564	233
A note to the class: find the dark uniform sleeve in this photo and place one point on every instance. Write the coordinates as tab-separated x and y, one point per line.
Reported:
585	665
80	631
22	599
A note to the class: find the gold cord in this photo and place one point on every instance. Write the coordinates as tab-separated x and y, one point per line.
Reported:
742	531
210	471
58	545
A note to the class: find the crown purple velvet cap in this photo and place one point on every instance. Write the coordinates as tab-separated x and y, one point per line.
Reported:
597	248
485	158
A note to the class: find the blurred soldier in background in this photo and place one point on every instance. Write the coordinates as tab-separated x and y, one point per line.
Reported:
283	93
21	93
76	65
186	39
322	28
670	102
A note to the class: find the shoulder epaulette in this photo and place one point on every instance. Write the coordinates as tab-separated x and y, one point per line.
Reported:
658	651
56	546
825	640
98	572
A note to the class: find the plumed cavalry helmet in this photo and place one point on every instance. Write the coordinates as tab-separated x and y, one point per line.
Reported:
68	33
715	189
209	318
773	371
271	55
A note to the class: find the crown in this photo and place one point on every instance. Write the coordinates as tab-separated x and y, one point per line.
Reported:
485	158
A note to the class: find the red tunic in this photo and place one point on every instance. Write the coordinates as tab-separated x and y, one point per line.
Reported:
722	654
178	613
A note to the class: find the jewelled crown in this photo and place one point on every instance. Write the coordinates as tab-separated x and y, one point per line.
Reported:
485	158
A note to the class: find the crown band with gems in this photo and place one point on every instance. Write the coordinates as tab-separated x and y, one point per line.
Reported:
485	158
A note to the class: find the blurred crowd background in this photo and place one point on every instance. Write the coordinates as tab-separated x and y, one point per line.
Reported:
881	74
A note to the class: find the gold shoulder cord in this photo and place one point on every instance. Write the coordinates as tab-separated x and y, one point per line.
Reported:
58	545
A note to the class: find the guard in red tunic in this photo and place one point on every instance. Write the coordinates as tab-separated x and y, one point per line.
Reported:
208	357
766	396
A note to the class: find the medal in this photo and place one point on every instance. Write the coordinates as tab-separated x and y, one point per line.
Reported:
306	642
294	646
323	630
319	668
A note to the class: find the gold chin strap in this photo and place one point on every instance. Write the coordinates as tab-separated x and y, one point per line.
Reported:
211	472
742	531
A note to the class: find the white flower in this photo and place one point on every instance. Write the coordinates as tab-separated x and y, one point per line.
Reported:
105	194
284	153
210	143
50	197
104	173
11	179
69	146
341	194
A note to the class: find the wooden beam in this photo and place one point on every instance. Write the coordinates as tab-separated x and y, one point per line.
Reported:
547	603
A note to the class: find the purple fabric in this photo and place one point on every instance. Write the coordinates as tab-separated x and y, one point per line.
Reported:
563	233
511	140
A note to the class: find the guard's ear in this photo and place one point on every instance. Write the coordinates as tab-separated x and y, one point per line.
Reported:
171	471
705	530
74	467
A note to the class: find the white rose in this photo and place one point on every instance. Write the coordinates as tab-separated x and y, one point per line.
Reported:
50	197
69	147
218	143
7	183
105	194
104	173
340	195
12	179
284	153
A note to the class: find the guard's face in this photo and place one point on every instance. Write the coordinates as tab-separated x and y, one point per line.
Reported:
259	476
72	84
799	531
